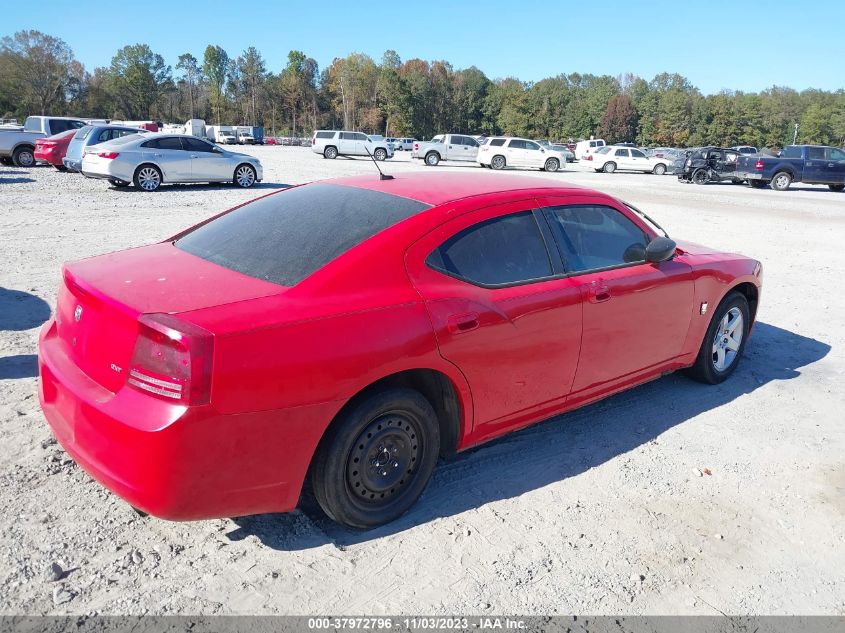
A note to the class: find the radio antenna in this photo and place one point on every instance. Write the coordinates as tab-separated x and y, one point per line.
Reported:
381	174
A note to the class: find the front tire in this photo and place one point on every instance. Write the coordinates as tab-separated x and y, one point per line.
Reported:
724	341
330	152
781	181
432	159
377	458
659	169
245	176
380	154
498	162
552	165
609	167
147	177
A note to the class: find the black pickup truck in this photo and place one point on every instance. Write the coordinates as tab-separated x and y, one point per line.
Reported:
810	164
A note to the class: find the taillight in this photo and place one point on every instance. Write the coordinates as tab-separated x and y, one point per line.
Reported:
314	141
589	157
759	164
172	359
108	155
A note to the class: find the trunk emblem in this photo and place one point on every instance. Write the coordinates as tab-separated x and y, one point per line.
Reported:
77	314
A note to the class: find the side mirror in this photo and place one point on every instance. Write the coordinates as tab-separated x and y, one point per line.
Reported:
660	249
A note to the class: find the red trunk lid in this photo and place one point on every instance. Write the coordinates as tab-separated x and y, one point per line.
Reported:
102	297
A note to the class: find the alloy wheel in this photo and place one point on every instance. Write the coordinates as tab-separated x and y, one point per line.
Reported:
149	179
244	176
727	340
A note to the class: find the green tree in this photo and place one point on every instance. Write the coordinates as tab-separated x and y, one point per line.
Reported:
215	65
35	71
192	74
138	77
815	125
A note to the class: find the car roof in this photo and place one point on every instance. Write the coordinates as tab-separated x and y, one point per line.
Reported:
440	188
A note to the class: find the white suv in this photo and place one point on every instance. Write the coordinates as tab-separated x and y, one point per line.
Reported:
334	143
504	151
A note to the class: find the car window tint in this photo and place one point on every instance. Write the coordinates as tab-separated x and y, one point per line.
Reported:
83	133
595	236
170	142
325	134
530	145
363	137
497	142
836	154
285	237
637	153
105	135
791	151
621	152
504	250
516	144
471	141
196	145
151	144
816	153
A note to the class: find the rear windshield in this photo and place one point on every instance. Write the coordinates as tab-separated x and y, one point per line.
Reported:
285	237
83	133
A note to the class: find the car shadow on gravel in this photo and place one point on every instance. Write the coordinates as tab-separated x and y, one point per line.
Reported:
15	180
20	366
557	449
21	310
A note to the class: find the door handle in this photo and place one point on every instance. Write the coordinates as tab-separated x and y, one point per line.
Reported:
157	155
598	292
831	165
194	156
466	322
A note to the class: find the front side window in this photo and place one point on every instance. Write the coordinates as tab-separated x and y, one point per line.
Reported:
836	154
637	153
516	144
815	153
592	237
363	137
501	251
196	145
531	145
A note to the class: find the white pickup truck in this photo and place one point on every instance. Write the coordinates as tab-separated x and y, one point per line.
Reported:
446	147
18	146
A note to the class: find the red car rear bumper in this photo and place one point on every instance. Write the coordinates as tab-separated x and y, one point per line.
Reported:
52	156
172	461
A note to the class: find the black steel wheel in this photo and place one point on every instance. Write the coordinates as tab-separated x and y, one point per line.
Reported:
700	177
377	458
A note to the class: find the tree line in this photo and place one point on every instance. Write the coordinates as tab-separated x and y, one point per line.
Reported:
419	98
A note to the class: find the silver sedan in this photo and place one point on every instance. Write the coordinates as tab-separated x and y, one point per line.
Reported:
149	160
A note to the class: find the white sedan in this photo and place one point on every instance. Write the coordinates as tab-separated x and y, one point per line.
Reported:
499	152
152	159
612	157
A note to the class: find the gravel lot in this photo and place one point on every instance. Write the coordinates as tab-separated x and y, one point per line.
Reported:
605	510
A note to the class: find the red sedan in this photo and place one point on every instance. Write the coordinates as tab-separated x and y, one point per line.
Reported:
355	330
52	149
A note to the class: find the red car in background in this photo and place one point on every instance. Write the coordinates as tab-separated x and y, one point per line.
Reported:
355	330
52	149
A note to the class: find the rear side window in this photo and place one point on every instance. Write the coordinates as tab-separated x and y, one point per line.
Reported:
516	144
497	142
500	251
171	142
325	134
62	125
285	237
594	236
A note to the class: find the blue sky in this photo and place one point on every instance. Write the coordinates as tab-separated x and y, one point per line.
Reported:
743	45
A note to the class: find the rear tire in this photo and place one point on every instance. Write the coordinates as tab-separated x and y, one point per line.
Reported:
432	159
609	167
552	165
781	181
716	361
377	458
836	187
23	157
498	162
700	177
147	177
330	152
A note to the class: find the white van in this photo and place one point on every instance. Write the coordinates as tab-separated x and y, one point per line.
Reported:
582	148
334	143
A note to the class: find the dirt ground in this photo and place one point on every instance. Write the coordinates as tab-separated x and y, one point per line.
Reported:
605	510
